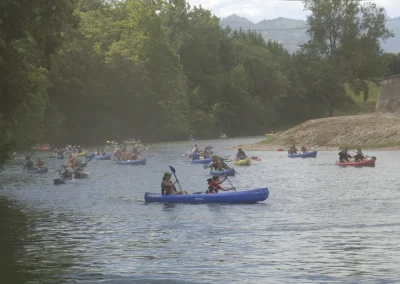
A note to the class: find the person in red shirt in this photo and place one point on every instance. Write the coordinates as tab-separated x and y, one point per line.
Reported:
71	162
214	184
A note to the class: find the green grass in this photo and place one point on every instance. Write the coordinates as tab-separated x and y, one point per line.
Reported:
359	106
376	146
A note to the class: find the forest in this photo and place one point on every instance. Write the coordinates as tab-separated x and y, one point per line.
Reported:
87	71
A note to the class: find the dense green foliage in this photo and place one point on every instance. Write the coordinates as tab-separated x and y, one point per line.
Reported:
394	64
345	45
80	71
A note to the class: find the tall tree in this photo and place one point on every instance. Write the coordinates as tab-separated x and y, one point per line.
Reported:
345	35
30	32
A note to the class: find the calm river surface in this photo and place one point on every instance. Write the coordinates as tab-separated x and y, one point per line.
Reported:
320	224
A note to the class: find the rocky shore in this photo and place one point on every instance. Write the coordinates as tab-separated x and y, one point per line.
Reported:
373	131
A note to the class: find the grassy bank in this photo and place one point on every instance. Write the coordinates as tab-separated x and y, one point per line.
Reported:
359	106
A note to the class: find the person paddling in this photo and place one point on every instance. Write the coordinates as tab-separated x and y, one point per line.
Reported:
214	184
293	150
168	187
241	155
29	165
196	149
359	156
344	156
71	162
39	163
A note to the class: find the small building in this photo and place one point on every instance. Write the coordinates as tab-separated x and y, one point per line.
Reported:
389	95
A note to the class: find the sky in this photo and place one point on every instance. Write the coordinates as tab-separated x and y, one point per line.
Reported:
258	10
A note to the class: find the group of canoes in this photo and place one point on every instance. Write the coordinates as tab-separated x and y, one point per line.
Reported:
218	166
72	169
345	159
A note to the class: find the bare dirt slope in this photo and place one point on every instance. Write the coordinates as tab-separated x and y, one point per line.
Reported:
369	131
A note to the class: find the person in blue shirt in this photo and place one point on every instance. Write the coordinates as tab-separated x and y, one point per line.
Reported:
241	155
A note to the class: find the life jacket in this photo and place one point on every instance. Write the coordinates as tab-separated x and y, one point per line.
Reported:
212	188
40	164
164	190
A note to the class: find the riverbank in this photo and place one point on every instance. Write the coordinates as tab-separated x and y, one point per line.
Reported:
370	131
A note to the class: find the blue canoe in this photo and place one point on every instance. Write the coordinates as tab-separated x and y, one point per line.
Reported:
38	171
249	196
133	162
106	157
312	154
230	172
202	161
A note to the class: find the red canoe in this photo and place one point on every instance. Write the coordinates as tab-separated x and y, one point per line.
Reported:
365	163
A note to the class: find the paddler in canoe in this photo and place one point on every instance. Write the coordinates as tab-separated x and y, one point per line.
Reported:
241	155
39	163
344	156
29	165
71	162
214	184
359	156
208	150
218	164
134	156
292	150
196	149
168	187
79	150
304	150
66	174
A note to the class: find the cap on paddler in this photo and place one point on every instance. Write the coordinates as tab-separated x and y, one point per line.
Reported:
167	174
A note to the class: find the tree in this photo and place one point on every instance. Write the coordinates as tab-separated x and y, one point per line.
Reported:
345	35
30	33
394	63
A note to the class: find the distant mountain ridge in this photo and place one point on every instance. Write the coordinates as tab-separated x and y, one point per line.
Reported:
292	33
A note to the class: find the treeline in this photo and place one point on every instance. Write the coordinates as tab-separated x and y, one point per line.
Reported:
86	71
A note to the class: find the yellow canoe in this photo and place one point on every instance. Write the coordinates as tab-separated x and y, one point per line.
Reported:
130	142
245	162
83	154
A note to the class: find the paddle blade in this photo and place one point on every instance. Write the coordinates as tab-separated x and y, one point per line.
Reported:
90	157
172	169
58	181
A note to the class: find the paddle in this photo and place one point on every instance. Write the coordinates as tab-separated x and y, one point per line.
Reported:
206	166
173	171
88	159
219	166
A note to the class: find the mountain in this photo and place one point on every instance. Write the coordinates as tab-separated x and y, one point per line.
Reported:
292	33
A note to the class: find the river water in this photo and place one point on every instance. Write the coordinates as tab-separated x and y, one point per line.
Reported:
321	223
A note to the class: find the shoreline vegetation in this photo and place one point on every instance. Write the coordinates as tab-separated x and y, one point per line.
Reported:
86	73
372	131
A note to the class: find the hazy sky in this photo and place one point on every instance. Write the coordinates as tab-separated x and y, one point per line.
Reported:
257	10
